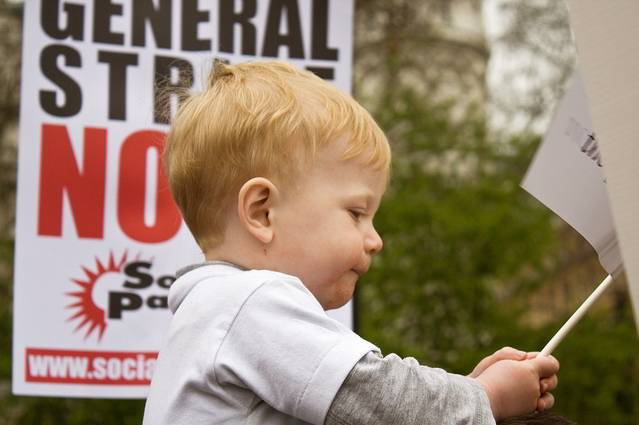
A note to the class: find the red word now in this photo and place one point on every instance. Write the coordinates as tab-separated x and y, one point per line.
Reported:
86	186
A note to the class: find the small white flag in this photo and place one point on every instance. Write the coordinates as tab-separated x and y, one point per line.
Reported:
566	175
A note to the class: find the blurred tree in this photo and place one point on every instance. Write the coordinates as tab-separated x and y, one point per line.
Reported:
10	31
10	36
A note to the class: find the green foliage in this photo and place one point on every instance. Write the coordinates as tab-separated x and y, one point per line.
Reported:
55	411
6	259
600	370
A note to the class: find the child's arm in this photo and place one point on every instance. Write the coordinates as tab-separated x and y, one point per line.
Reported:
381	390
520	386
391	390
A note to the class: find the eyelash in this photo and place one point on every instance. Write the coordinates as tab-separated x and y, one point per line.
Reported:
356	214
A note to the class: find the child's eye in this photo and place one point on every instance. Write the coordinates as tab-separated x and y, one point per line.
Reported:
356	214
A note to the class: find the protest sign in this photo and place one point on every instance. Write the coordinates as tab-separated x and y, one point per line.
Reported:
98	238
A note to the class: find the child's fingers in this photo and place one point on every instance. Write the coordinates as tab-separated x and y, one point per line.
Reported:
545	366
509	353
545	402
506	353
548	384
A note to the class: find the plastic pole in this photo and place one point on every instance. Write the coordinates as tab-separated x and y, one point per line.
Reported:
576	317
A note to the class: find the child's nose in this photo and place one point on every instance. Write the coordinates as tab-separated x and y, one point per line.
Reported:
373	242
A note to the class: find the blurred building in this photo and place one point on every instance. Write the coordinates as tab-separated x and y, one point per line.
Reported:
436	48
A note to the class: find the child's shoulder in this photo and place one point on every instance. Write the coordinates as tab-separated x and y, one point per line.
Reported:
224	282
214	295
221	271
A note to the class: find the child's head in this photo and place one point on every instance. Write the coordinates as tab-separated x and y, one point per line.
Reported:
259	119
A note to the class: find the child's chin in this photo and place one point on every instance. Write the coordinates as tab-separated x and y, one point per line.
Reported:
340	298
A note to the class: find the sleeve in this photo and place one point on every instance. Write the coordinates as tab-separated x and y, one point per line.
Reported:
383	390
285	348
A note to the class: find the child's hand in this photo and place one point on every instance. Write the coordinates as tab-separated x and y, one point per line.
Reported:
505	353
516	387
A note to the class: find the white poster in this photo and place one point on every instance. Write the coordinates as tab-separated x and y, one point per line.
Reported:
98	238
607	36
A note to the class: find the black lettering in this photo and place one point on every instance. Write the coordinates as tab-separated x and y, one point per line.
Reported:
191	16
122	301
102	14
590	144
590	141
72	92
587	145
169	84
50	20
118	63
272	37
160	20
157	302
166	281
137	270
319	38
322	72
228	19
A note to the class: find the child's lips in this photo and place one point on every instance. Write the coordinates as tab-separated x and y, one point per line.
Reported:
362	269
360	272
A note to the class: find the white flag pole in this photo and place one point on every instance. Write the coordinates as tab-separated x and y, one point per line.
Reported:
576	317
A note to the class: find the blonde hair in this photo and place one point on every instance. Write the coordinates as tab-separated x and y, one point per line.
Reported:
258	119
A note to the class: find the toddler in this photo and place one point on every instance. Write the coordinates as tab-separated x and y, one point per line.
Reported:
278	175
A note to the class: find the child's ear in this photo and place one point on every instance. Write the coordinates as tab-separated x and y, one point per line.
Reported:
255	206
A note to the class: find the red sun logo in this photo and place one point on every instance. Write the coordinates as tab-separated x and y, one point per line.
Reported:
91	316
